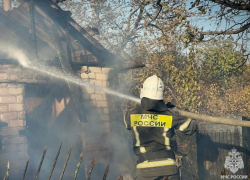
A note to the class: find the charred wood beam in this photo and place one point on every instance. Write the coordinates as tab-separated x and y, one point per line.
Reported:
75	92
33	27
76	31
129	65
15	30
120	67
15	24
42	25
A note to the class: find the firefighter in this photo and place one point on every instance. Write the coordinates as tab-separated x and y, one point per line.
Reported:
153	125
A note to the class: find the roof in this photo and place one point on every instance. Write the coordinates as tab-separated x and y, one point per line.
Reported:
74	40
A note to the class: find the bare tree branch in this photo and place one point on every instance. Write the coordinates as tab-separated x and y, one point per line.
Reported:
236	31
232	5
157	3
155	26
139	18
129	18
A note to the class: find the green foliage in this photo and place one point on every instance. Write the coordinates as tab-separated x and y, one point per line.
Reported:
218	61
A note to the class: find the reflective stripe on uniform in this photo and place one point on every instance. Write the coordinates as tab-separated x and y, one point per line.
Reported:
142	149
185	125
137	138
147	164
124	119
166	139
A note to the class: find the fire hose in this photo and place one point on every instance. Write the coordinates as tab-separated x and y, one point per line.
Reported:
217	120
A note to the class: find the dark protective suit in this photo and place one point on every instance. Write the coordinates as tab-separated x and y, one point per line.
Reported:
153	126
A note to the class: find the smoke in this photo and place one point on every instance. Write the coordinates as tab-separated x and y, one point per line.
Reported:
18	55
11	52
66	127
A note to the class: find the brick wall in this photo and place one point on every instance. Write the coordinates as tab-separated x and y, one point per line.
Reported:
12	132
95	131
13	73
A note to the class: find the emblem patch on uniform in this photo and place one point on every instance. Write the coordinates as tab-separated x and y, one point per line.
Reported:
234	161
151	120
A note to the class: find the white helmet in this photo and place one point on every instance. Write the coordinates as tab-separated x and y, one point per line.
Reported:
153	88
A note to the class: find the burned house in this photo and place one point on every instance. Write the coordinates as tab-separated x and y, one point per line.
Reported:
37	109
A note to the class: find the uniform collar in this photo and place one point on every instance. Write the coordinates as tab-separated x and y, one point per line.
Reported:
150	104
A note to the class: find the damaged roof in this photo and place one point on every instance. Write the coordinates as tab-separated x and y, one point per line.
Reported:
80	47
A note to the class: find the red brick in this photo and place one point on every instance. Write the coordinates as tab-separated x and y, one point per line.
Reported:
4	91
9	116
4	108
106	70
84	76
96	82
19	99
89	90
102	76
83	69
105	83
100	92
95	69
96	97
16	107
91	75
3	76
17	123
21	115
6	100
15	91
13	77
88	76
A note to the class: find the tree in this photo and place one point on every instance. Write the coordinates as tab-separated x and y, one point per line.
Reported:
229	17
121	23
222	79
219	61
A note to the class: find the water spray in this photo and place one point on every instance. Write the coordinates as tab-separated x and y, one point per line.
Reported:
74	79
52	72
56	73
18	55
